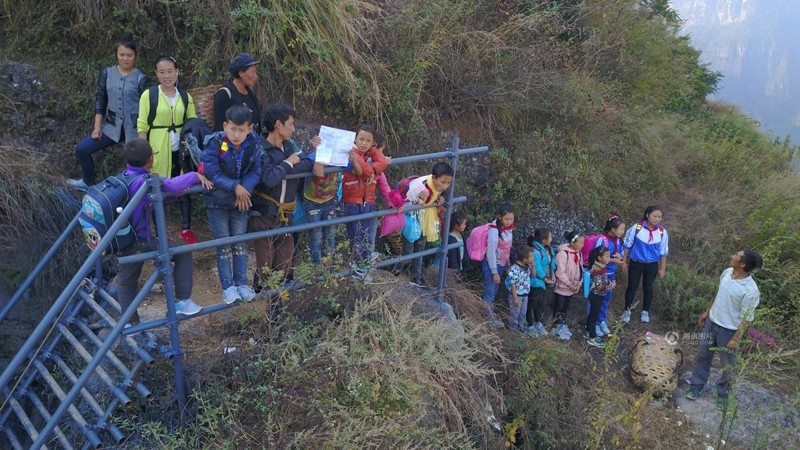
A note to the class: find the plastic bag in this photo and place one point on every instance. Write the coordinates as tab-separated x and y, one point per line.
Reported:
413	230
392	223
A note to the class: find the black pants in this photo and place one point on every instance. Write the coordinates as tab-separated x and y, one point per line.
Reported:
535	311
183	163
595	303
560	307
638	270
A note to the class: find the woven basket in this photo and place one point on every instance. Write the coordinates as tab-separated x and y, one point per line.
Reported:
204	102
655	364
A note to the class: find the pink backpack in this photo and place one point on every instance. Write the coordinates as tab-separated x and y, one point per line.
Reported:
588	245
478	242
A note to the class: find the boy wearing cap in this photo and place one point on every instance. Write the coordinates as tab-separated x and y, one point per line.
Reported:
239	91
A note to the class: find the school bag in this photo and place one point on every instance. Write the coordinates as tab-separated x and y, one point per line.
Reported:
151	117
100	207
478	242
402	185
588	245
193	135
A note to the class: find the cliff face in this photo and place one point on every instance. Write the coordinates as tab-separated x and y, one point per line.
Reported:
753	44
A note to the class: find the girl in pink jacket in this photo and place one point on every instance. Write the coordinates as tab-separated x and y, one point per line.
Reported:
569	279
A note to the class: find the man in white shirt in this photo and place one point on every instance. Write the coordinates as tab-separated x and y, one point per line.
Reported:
733	309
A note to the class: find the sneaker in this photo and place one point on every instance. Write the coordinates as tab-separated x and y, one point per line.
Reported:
645	317
566	331
497	323
604	327
246	292
540	326
693	393
231	295
598	330
374	256
187	307
77	183
596	342
418	282
626	316
721	403
532	331
188	236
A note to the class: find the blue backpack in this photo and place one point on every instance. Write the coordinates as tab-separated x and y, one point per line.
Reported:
100	207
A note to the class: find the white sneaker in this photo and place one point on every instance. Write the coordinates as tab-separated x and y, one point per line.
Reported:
187	307
77	183
626	316
598	330
604	327
246	292
231	295
645	316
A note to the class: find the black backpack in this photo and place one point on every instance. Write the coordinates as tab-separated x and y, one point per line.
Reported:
193	135
151	117
100	207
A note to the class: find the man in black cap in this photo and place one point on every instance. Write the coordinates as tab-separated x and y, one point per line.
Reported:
239	91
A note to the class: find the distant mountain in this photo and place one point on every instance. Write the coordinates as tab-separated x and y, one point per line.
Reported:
754	43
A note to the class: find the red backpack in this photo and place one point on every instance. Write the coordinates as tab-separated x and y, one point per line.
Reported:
402	185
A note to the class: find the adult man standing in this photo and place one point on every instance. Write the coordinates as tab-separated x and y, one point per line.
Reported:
725	322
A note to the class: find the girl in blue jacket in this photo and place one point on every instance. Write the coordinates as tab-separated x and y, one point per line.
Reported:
544	268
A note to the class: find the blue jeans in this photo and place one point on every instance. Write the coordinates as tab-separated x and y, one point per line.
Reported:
84	151
358	232
226	222
318	212
489	288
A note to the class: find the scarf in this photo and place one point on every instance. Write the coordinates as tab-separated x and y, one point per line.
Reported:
650	230
428	218
574	255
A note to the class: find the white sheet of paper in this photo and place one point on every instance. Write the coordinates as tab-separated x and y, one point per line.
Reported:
335	147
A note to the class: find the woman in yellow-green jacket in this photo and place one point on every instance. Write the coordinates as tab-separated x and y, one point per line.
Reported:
161	126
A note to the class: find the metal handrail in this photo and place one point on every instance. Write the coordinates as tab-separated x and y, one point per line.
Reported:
163	256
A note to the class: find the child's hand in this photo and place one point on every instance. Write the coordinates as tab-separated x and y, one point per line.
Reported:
496	278
613	284
423	195
517	303
293	159
440	200
371	179
205	181
243	202
388	160
315	141
97	133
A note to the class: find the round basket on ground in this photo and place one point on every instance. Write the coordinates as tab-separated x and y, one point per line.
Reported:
655	364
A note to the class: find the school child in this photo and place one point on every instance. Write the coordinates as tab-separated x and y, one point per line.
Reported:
232	161
320	200
392	199
139	156
358	195
542	275
426	190
275	197
518	282
600	285
498	253
455	257
569	279
611	238
646	250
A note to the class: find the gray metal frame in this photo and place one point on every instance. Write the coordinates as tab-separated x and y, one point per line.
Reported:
53	318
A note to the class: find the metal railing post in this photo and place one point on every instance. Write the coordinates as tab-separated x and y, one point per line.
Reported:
168	280
447	215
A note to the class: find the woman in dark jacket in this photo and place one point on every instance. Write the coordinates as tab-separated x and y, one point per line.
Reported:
116	110
239	91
